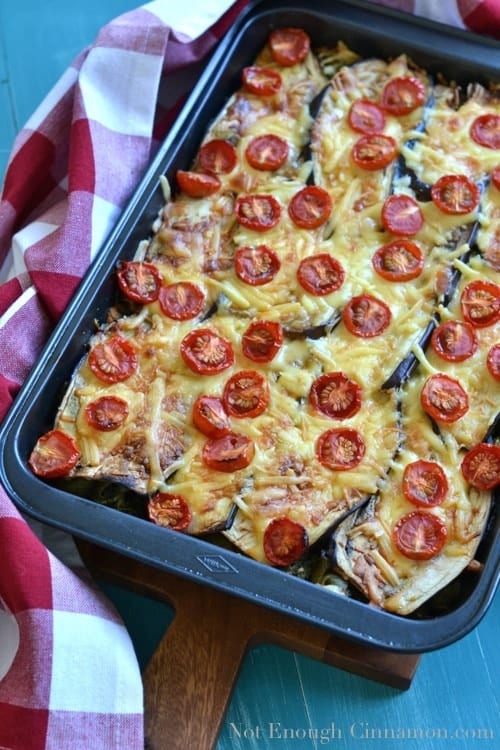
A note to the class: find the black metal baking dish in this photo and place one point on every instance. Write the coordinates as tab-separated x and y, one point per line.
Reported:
370	30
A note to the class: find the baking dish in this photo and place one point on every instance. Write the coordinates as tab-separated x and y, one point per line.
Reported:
372	31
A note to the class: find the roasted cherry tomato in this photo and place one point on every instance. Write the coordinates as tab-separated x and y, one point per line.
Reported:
256	265
310	207
495	177
267	152
336	395
340	449
246	394
481	466
320	274
372	152
366	117
197	184
420	535
493	361
485	130
402	95
217	157
262	340
284	541
181	300
169	510
455	194
289	46
106	413
454	340
139	281
402	215
366	316
258	212
205	352
424	483
480	303
443	398
113	360
261	81
210	417
54	455
400	260
229	453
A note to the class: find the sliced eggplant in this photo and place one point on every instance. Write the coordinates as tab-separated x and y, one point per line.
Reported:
444	146
292	478
333	137
364	554
365	547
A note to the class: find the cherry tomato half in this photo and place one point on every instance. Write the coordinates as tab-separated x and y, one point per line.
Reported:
455	194
481	466
113	360
262	340
205	352
210	417
197	184
402	215
267	152
480	303
106	413
310	207
454	340
485	130
336	395
493	361
261	81
246	394
289	45
366	117
139	281
366	316
420	535
284	541
320	274
256	265
217	157
169	510
372	152
400	260
402	95
443	398
424	483
181	300
495	177
228	453
54	455
340	449
258	212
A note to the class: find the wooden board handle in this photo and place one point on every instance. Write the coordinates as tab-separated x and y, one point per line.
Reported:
190	678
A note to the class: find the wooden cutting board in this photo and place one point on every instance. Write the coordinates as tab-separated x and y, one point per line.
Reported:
191	675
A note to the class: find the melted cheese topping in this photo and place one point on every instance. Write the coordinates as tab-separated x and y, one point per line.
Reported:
388	577
446	146
333	139
195	239
488	233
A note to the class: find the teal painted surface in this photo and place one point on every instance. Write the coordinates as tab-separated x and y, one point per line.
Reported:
281	701
286	701
38	41
8	125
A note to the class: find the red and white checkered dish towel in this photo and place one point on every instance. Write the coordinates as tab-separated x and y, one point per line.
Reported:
68	673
